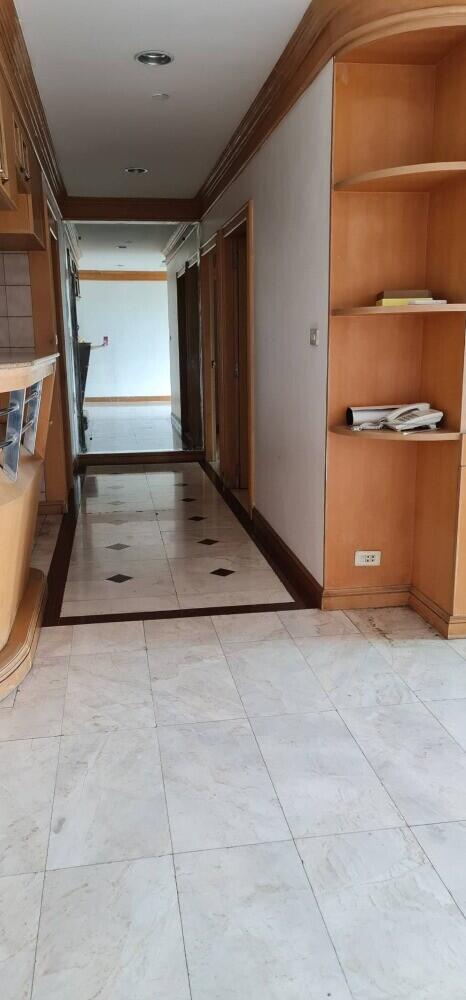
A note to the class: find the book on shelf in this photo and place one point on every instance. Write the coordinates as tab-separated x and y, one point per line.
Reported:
408	297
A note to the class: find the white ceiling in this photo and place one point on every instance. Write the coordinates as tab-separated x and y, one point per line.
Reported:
100	244
99	101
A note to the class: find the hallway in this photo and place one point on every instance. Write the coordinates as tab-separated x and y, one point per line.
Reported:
160	539
130	427
252	806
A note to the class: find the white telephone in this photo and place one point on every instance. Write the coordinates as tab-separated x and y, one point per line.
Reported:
404	419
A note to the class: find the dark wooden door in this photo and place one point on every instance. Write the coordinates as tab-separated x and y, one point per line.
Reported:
189	333
235	370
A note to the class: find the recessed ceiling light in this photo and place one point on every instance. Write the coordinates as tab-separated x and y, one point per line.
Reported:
136	170
161	96
154	57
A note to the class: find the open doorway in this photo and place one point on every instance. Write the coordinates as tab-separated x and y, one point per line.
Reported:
123	341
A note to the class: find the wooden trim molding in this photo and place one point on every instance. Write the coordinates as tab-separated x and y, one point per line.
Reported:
327	28
304	585
16	68
122	275
173	210
127	399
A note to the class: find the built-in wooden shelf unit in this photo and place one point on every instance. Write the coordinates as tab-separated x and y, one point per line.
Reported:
433	437
451	307
420	177
398	221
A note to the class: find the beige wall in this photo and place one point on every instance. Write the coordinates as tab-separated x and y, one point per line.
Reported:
288	182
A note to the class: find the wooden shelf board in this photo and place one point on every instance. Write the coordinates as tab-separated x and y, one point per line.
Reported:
418	177
451	307
439	436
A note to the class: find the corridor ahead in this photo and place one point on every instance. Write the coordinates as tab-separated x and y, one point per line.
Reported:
161	538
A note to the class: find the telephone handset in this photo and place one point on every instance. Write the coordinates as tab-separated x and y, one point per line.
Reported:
404	419
410	418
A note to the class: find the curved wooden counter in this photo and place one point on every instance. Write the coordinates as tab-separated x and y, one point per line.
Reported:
22	590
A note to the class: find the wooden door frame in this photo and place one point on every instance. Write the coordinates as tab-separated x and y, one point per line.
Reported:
244	217
208	373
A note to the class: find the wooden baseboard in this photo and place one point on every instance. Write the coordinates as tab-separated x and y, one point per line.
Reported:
302	581
376	597
16	658
127	399
46	508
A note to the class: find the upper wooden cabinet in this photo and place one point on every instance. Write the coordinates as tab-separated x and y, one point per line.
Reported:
22	224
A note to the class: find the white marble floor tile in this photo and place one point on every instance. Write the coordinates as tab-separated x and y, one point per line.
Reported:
198	576
445	846
91	535
195	548
109	637
193	689
316	623
37	709
20	898
55	641
134	558
255	627
353	673
108	691
218	791
180	653
452	715
129	605
27	769
392	623
252	927
273	678
422	768
397	932
432	669
109	800
322	779
273	594
188	631
111	931
9	699
159	584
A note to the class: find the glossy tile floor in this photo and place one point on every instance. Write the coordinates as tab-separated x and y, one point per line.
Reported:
266	806
128	427
162	539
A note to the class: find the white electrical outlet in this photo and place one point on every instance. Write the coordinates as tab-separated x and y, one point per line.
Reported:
367	558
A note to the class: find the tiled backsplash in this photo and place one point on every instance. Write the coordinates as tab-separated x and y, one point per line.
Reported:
16	326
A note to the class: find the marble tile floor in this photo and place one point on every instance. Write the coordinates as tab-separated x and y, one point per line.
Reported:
130	427
264	805
45	540
162	539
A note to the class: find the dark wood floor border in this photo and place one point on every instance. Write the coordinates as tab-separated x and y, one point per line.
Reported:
59	566
150	616
136	458
299	583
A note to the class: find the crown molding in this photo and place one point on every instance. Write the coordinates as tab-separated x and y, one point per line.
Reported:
326	29
16	68
122	275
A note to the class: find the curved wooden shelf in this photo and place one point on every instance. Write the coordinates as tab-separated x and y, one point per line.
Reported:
451	307
418	177
436	437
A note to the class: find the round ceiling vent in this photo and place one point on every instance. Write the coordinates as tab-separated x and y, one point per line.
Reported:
153	57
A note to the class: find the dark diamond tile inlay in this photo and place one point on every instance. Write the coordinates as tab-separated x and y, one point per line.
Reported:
222	572
188	500
118	547
119	578
197	517
208	541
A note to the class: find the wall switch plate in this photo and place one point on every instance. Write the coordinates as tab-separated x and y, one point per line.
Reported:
369	558
314	337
